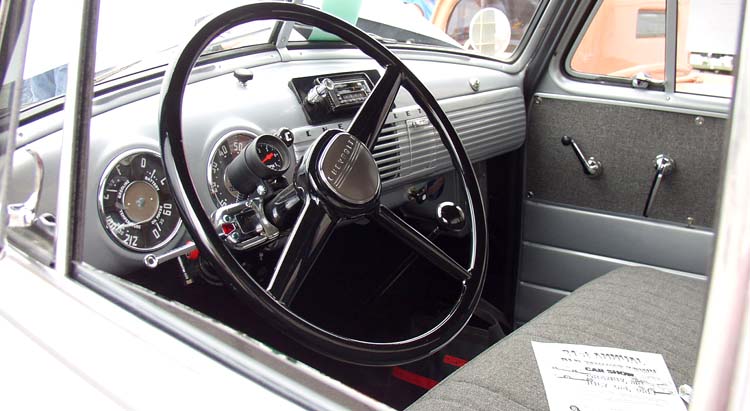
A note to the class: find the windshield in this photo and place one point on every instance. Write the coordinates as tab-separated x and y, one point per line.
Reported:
139	35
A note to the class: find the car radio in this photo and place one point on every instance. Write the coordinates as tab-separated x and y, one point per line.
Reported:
339	93
334	96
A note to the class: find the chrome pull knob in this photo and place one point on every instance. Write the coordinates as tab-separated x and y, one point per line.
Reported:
644	80
153	260
591	166
320	91
24	214
450	217
664	166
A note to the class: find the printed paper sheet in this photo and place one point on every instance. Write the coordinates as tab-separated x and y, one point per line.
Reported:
586	378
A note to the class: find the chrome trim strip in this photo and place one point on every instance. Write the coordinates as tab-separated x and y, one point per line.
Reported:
71	194
12	67
634	104
670	58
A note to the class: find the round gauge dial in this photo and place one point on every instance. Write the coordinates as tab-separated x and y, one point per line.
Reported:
270	156
135	202
226	150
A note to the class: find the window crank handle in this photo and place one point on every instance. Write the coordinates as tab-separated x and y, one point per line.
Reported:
591	166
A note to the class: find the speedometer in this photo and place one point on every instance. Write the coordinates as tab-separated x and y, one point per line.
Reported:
226	149
135	202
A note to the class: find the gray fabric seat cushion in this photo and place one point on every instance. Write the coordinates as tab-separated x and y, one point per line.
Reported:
633	308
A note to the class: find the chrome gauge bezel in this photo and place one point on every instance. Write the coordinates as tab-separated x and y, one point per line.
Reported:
100	202
215	149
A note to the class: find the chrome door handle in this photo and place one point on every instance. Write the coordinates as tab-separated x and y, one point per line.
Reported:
644	80
664	166
22	215
591	166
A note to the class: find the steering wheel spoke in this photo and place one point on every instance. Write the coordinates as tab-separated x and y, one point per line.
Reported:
310	233
419	243
372	114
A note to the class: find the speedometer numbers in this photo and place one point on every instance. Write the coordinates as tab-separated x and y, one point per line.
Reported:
226	150
135	202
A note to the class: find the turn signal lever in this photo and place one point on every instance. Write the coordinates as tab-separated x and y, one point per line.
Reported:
591	167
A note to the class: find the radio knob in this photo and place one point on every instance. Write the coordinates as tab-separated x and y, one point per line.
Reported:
320	91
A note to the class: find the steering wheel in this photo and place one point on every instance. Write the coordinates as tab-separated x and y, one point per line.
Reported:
336	180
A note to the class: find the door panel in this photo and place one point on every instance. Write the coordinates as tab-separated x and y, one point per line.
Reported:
565	247
577	228
626	140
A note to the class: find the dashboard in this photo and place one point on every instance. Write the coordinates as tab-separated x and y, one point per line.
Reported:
268	121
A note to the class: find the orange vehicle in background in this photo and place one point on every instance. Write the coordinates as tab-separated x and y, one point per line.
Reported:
627	37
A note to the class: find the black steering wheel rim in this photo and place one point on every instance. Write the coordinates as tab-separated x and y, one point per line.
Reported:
210	245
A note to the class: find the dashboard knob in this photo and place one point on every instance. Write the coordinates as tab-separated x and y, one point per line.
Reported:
320	91
285	135
450	216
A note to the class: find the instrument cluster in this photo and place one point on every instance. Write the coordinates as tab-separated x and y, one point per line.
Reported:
135	202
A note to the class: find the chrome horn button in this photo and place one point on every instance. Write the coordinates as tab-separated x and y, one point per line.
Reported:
348	169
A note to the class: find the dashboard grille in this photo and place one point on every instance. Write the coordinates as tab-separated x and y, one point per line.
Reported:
387	151
488	124
409	148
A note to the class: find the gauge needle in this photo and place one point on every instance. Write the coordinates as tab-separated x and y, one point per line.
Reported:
268	156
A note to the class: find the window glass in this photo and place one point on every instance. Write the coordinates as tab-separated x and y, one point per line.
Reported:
626	37
493	28
707	38
129	40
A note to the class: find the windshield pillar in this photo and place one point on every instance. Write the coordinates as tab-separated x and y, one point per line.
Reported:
75	145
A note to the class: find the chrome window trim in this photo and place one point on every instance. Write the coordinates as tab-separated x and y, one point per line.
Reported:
635	104
11	14
561	80
559	83
670	49
74	151
578	38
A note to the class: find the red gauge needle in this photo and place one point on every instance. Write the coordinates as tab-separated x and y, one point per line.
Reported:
268	156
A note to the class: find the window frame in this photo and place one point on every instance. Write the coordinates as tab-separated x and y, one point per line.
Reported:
670	54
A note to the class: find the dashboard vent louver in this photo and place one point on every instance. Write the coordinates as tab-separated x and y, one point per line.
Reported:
387	151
